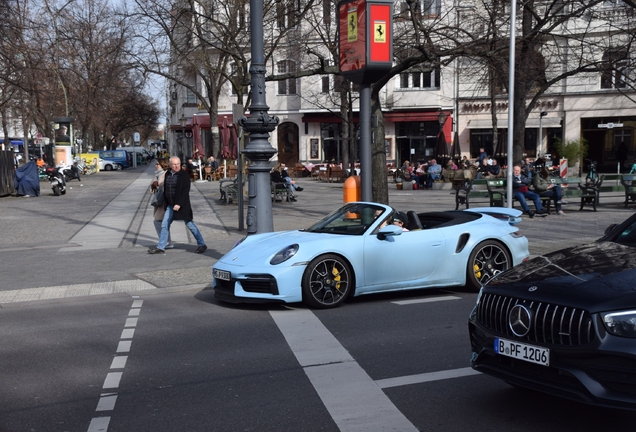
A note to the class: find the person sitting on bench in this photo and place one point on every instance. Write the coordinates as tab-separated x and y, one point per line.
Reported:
521	191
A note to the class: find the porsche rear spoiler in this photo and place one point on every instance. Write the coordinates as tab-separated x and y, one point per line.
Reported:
509	215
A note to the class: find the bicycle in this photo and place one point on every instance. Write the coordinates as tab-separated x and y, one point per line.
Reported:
592	174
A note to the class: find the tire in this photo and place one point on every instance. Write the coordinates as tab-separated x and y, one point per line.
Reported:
56	190
108	167
63	191
119	167
487	260
327	282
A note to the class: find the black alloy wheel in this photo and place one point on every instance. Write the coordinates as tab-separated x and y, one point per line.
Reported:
327	282
487	260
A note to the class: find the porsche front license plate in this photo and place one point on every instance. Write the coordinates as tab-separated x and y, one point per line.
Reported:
221	274
521	351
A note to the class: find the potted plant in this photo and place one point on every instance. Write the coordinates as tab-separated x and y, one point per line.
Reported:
573	151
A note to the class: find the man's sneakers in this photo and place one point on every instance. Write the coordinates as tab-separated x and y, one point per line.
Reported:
200	249
156	250
540	213
170	246
299	189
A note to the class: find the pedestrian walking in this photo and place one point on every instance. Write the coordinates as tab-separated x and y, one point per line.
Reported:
176	189
158	202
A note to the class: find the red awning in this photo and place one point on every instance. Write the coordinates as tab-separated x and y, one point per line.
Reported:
203	121
392	116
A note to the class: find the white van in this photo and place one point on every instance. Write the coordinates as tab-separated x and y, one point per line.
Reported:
143	150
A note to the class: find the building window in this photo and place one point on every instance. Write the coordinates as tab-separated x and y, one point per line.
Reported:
615	69
287	13
286	86
425	80
325	84
421	9
233	70
191	98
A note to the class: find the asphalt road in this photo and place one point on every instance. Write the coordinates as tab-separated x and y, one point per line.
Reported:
109	338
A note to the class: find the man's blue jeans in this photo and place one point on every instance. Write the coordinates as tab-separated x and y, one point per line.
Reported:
165	229
521	197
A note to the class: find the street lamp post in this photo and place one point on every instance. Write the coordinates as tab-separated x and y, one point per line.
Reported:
541	115
182	121
259	124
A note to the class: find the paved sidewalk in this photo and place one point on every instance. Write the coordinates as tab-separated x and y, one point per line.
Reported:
120	230
319	199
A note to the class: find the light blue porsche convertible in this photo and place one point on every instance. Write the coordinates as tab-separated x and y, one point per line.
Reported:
362	248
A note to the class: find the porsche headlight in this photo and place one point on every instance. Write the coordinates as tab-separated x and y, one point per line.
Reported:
621	323
284	254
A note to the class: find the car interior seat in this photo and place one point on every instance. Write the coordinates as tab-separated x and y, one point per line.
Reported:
413	221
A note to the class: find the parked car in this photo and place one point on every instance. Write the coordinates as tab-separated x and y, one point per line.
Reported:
145	154
565	323
112	160
357	250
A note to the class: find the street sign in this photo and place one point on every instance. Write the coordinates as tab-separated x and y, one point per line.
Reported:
136	137
366	39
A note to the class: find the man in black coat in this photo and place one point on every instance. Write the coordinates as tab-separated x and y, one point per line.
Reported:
176	190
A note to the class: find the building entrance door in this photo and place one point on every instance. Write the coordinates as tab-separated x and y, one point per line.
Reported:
288	144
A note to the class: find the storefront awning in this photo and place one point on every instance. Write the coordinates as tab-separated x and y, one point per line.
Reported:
502	123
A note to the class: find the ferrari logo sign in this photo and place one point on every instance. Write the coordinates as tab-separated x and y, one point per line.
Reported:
379	33
352	25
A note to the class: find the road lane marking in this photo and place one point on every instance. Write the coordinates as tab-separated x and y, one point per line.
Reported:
107	400
106	403
124	346
127	333
131	322
119	362
426	300
426	377
353	399
99	424
112	380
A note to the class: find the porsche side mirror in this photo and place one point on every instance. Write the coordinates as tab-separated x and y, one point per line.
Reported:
389	230
610	228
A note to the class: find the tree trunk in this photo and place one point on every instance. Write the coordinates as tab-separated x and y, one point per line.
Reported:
379	183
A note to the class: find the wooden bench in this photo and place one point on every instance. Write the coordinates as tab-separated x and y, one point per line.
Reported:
230	189
592	189
469	189
280	192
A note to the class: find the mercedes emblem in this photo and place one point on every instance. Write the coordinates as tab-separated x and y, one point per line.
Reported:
519	320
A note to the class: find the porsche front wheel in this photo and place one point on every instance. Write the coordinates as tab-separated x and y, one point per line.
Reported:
327	281
487	260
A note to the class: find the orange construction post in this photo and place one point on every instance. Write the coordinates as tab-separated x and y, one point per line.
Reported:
351	190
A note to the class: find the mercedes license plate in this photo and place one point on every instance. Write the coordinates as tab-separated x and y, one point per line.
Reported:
521	351
221	274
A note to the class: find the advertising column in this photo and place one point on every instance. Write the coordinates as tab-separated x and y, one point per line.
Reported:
63	140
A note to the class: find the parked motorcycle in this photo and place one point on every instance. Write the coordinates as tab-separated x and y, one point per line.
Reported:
56	178
71	172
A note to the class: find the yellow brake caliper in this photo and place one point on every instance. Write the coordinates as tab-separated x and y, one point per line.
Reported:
336	277
477	271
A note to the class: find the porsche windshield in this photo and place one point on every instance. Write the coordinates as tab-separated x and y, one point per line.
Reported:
352	219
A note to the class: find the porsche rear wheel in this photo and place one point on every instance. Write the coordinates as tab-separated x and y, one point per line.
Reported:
327	282
487	260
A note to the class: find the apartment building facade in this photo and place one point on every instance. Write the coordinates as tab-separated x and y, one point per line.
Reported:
417	104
